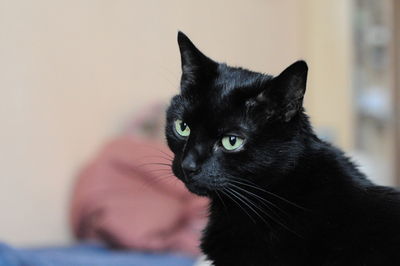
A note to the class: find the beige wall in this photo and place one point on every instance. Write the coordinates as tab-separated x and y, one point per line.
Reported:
73	71
328	50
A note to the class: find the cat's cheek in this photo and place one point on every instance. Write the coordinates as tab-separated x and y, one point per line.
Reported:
176	146
177	171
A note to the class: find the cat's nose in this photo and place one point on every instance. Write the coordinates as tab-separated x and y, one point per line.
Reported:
189	165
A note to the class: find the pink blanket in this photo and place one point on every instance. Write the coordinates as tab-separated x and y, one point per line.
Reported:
129	198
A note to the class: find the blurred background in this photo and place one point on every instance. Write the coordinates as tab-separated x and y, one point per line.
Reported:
73	75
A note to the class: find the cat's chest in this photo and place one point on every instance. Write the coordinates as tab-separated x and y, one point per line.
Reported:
228	244
247	244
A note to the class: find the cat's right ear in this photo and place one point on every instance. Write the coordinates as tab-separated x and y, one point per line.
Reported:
194	63
285	92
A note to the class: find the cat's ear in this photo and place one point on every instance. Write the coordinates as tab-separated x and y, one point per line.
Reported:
193	61
287	90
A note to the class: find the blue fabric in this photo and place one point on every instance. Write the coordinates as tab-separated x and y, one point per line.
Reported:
86	255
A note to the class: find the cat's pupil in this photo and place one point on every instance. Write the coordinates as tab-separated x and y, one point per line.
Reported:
183	126
232	140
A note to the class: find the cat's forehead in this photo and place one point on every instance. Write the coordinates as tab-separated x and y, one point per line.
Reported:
214	117
207	111
219	107
221	100
228	79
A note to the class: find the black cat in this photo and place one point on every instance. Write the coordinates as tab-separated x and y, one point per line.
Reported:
279	195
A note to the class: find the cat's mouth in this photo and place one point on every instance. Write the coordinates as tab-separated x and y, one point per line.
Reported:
201	184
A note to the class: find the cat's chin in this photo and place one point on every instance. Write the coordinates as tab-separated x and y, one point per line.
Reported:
198	190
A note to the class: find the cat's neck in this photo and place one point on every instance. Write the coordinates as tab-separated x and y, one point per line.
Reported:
322	174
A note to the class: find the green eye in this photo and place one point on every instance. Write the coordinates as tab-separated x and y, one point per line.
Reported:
231	143
182	128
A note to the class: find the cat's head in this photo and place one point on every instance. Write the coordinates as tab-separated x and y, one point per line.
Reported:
229	124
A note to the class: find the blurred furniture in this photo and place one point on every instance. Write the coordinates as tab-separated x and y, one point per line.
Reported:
127	197
374	88
396	66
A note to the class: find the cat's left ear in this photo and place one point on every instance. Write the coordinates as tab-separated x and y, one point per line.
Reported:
287	90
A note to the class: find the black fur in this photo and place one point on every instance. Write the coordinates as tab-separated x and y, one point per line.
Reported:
286	197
